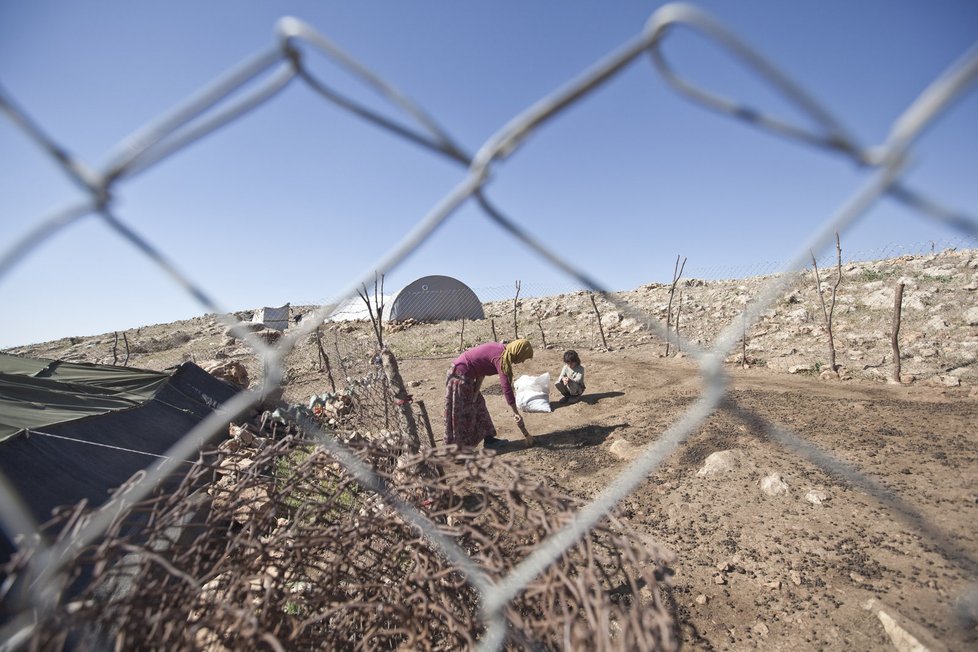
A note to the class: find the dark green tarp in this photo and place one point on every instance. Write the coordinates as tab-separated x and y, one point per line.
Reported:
78	431
35	393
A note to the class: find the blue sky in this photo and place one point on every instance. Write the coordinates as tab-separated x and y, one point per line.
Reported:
297	199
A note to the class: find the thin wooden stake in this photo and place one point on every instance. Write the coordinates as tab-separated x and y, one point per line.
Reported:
743	354
828	312
895	332
426	421
339	356
516	303
677	272
324	360
598	314
679	310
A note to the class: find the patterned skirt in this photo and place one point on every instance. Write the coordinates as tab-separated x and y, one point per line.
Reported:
467	420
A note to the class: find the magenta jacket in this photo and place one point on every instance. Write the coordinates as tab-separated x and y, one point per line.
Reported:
485	360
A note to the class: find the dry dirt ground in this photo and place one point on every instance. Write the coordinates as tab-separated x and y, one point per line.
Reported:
757	571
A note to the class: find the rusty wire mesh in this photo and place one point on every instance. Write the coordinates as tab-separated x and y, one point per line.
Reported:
500	620
279	546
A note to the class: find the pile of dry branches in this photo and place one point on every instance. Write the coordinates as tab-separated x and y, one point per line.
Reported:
281	548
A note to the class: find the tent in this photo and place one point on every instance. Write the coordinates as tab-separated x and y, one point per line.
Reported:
439	298
73	431
277	318
354	309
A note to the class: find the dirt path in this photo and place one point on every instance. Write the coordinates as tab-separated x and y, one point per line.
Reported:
762	571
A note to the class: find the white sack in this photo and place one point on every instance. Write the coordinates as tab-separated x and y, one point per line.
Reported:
533	393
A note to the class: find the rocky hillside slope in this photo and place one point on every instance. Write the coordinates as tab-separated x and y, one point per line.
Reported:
938	334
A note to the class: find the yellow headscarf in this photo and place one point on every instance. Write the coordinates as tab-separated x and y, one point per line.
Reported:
516	351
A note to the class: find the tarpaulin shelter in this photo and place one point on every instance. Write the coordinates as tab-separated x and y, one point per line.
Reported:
435	298
355	309
277	318
73	431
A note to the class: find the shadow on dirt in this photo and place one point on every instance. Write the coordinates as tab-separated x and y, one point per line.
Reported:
582	437
590	399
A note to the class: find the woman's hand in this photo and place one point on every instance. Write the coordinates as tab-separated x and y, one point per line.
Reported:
517	417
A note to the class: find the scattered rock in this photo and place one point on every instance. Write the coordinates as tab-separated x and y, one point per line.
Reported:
243	435
799	369
630	325
207	639
760	628
228	370
817	497
798	315
254	501
971	315
720	462
795	577
945	380
610	320
624	450
936	324
230	465
899	628
269	335
701	599
238	331
774	485
230	445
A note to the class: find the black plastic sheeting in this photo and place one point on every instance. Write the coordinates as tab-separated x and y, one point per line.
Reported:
35	393
88	458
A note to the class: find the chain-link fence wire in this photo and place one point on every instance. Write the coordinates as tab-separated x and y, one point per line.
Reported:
202	115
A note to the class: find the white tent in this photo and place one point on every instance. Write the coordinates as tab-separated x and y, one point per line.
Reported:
354	309
277	318
435	298
430	298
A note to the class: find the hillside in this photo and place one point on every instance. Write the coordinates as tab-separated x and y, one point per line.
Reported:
938	334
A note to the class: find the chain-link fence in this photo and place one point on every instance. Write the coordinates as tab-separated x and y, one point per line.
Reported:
487	602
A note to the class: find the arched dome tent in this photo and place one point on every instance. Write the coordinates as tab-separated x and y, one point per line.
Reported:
440	298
